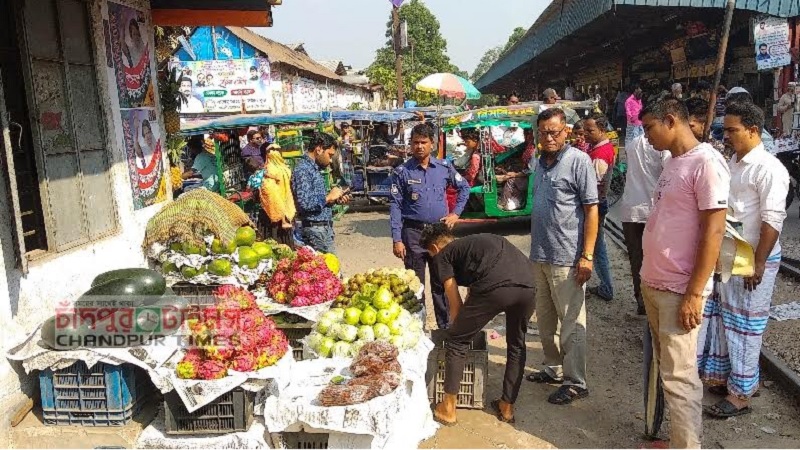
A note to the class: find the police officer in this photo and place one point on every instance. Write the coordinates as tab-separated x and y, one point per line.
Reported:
417	199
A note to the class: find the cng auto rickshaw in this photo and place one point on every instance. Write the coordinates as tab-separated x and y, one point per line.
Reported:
497	127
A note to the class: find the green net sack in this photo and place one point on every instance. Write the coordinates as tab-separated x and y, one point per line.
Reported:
193	216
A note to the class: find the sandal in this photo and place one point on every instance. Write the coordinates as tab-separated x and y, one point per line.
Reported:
438	419
543	377
722	391
567	394
724	409
496	408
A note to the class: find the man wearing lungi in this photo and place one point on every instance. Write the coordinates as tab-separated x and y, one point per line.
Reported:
734	321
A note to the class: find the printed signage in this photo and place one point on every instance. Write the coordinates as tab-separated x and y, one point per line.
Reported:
771	37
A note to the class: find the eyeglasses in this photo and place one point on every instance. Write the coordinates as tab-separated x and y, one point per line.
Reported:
550	134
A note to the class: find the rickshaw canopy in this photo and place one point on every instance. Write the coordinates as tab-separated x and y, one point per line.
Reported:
248	120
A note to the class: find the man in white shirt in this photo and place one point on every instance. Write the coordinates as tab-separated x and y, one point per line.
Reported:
644	168
786	110
730	340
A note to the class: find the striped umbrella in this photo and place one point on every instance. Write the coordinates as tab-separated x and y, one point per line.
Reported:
448	85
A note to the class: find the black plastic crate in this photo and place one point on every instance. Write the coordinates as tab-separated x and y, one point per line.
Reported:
103	396
200	295
295	328
300	439
472	392
230	413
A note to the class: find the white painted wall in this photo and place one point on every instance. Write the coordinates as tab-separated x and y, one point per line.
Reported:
27	301
294	94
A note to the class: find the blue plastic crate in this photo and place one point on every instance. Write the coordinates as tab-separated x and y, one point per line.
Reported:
103	396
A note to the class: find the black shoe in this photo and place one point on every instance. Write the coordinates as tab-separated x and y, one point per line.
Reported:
596	292
640	311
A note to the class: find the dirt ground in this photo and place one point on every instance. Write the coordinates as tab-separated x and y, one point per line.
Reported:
612	416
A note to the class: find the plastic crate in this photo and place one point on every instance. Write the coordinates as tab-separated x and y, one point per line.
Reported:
103	396
196	294
294	333
472	393
233	412
300	439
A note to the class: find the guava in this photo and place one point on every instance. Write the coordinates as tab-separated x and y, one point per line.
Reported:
369	316
384	316
245	237
352	316
248	257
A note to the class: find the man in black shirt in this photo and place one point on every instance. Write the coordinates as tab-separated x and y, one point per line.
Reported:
500	279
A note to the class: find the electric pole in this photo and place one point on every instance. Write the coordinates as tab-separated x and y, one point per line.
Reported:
398	51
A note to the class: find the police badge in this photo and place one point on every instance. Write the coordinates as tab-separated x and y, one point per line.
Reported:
414	196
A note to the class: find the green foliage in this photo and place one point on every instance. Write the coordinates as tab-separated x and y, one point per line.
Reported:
495	53
429	54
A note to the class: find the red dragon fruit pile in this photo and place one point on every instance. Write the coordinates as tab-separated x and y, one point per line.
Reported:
304	281
232	334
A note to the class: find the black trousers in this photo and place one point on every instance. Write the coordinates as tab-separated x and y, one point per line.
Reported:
518	303
633	240
416	259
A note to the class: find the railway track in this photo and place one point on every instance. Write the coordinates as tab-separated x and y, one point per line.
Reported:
770	361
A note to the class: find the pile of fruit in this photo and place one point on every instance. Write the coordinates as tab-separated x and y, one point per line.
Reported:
376	372
233	334
403	285
305	280
373	315
219	258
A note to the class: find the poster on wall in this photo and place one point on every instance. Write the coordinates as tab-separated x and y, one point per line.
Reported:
128	47
130	51
771	37
143	152
220	86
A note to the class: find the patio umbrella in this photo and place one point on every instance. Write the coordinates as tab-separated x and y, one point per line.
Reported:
448	85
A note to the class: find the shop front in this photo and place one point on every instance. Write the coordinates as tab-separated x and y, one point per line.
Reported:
83	166
590	46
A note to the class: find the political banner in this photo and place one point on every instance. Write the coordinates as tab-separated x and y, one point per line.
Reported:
221	86
771	37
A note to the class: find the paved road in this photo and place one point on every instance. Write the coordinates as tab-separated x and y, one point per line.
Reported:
612	416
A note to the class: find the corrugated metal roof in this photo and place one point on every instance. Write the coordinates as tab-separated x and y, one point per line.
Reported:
282	54
563	17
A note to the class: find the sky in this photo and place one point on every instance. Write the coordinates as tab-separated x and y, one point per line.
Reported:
352	30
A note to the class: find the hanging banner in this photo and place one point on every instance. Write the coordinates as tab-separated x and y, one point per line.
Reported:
144	155
771	37
220	86
130	52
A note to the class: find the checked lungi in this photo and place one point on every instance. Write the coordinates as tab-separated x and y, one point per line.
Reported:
734	321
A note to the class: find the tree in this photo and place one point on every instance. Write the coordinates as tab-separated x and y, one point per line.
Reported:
495	53
429	54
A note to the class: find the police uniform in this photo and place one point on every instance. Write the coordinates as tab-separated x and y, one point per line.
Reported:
418	198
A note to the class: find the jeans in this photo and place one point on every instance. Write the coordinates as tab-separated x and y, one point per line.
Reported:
602	265
518	304
417	258
320	238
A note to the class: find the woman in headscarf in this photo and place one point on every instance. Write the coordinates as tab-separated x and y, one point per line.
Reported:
276	198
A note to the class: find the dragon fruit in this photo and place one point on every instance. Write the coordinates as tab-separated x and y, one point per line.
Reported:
305	281
232	334
212	370
244	362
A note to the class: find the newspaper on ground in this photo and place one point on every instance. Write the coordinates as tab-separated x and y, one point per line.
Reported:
787	311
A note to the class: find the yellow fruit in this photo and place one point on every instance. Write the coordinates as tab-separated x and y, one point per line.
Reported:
245	236
332	262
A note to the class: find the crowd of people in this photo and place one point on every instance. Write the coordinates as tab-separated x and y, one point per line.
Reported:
706	296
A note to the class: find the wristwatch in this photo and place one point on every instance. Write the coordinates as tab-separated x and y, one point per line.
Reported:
588	256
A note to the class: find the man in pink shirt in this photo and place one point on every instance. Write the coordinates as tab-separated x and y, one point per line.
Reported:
681	245
633	107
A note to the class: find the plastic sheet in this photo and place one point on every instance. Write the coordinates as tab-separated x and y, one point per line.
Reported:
154	436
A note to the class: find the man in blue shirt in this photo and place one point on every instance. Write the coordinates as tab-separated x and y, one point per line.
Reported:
312	199
417	199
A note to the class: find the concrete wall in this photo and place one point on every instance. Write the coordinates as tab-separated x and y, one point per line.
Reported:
26	301
294	93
